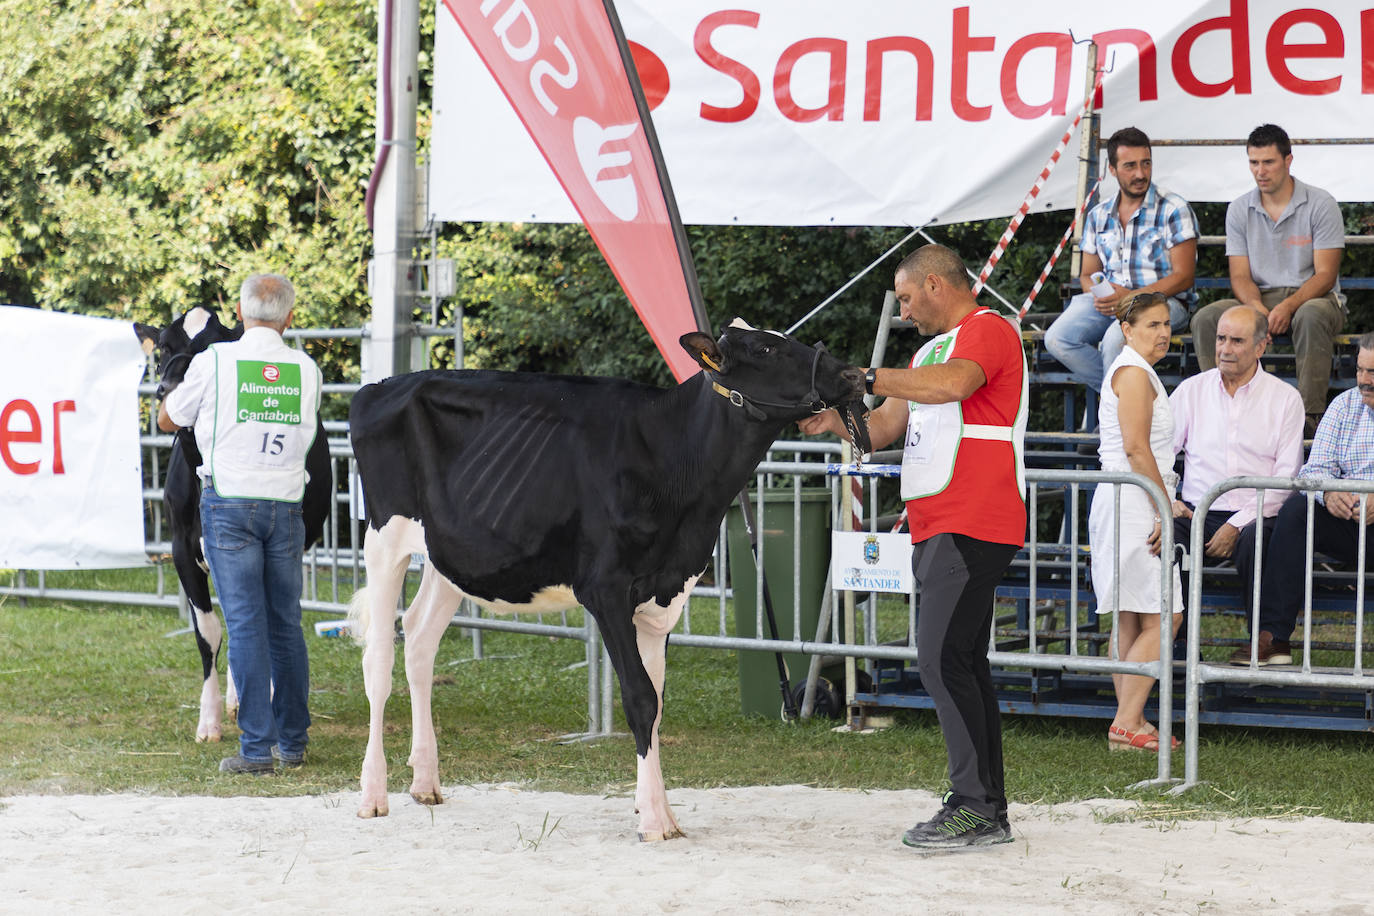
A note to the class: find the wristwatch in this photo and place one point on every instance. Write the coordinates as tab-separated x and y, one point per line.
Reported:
870	377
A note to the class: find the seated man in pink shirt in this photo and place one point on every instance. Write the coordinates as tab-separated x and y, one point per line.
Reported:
1235	421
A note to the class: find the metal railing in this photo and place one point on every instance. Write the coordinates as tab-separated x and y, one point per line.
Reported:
1037	657
1197	672
333	571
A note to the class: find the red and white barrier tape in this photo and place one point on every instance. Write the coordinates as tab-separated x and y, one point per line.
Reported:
1035	190
1068	233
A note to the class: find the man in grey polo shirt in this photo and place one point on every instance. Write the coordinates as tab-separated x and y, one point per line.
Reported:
1284	241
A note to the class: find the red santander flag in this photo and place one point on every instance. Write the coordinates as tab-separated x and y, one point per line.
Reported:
561	64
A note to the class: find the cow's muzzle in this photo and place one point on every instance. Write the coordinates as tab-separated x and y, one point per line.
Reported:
173	373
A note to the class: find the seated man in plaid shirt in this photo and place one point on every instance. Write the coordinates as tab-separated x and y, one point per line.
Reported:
1343	449
1144	239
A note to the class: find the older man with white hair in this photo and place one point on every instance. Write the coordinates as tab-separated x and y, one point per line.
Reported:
253	403
1343	449
1235	420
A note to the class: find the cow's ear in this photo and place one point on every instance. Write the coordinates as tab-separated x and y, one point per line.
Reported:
703	350
148	337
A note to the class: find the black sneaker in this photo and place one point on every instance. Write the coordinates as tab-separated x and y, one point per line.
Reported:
236	764
287	763
955	828
948	797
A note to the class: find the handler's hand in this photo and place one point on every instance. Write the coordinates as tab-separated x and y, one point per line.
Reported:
1223	542
827	421
1181	509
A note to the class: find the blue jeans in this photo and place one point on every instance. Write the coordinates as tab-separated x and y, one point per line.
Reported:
254	549
1087	342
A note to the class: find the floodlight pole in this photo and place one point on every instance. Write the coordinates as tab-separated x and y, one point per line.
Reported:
391	346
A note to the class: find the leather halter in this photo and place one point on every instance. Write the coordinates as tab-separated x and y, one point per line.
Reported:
812	399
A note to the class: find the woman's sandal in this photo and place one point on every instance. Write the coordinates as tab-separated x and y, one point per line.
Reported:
1118	739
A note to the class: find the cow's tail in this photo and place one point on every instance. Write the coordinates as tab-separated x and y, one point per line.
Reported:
359	617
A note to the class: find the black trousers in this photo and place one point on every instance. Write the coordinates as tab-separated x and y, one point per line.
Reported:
958	575
1285	573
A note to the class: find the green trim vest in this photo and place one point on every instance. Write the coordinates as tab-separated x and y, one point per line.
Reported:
934	432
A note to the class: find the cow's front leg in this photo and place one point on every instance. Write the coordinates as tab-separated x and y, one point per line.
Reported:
373	611
425	622
379	657
205	623
209	727
652	625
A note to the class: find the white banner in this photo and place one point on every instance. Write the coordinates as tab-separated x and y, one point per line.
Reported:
889	112
865	562
71	479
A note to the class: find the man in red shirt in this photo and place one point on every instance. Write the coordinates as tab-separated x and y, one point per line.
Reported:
962	407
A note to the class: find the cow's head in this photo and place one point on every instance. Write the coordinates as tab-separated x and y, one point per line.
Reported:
180	341
772	376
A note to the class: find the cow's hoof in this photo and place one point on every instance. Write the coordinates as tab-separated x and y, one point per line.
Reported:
428	798
660	837
376	810
208	734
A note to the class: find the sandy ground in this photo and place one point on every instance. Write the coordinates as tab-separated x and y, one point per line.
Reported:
791	849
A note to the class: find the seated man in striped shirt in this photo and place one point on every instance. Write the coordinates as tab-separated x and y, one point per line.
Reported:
1144	239
1342	449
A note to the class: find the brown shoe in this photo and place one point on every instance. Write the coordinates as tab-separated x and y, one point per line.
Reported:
1270	651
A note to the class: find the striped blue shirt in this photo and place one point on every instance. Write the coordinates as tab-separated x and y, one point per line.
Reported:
1344	444
1137	254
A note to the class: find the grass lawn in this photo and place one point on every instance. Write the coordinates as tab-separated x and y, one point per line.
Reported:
99	699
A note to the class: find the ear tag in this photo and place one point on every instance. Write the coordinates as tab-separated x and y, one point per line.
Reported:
710	362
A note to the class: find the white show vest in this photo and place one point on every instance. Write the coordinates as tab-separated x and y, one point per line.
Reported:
935	431
266	400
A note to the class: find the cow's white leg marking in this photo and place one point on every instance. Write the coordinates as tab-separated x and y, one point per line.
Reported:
652	625
425	621
386	553
211	726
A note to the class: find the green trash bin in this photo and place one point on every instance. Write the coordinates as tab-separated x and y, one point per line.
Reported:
758	671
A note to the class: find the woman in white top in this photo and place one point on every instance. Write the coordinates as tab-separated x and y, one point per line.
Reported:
1137	429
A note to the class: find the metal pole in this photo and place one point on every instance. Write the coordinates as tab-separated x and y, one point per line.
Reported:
1087	159
684	248
387	349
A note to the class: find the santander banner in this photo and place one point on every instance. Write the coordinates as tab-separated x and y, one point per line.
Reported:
889	112
558	64
71	481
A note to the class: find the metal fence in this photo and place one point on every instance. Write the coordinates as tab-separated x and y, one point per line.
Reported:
1199	672
849	627
1065	557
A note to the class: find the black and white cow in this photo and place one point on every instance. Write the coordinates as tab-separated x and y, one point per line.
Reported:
532	492
177	344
